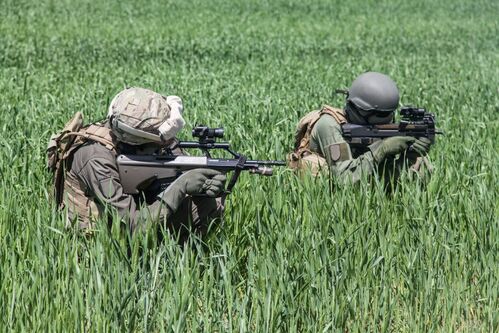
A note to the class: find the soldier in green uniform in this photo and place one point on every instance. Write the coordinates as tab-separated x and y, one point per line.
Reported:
319	144
87	181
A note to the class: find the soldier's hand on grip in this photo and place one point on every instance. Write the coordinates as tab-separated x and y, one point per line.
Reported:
202	181
193	182
391	146
214	186
421	146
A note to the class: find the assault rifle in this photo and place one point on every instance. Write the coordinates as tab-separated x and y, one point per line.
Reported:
138	172
415	122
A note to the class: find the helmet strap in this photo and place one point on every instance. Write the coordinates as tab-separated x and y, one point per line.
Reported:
121	126
354	116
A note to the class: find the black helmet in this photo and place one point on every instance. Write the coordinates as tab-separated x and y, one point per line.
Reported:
374	91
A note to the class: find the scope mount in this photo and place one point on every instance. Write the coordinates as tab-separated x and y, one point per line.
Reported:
207	140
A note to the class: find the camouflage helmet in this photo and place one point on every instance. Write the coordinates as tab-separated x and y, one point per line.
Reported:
374	91
139	116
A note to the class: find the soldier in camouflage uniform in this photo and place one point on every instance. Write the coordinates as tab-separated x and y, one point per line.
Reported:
372	99
87	182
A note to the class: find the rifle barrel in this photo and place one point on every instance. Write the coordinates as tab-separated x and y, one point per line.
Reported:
276	163
203	145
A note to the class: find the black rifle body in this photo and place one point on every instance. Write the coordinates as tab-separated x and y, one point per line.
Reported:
415	122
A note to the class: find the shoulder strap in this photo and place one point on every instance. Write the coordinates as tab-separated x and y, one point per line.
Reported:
95	132
337	114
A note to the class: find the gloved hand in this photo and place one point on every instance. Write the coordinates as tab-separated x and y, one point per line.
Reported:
421	146
198	181
390	146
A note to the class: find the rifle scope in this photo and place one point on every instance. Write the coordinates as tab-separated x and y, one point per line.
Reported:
203	132
412	113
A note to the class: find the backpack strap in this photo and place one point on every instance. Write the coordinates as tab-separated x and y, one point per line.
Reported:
60	142
303	135
74	140
337	114
94	132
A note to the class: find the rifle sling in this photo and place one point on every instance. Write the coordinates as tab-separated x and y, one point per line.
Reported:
235	176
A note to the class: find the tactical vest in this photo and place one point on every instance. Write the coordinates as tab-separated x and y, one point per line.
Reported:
302	157
68	192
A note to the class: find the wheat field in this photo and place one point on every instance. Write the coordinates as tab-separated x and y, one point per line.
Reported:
293	255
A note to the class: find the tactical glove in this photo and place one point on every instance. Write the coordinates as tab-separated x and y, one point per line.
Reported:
194	182
421	146
390	146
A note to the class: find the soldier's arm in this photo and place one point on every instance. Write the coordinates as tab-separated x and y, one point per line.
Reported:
328	139
98	171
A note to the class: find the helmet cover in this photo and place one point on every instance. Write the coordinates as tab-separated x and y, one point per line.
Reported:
139	116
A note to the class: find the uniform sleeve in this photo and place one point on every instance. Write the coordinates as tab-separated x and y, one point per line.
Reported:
100	175
327	140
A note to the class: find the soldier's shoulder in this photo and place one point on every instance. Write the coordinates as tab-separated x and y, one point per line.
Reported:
327	120
93	150
326	126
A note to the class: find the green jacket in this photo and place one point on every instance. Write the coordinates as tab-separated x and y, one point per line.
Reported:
96	170
326	136
348	165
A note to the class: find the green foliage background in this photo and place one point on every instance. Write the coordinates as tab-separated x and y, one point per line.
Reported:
291	256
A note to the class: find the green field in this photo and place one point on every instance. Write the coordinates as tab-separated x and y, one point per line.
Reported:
291	256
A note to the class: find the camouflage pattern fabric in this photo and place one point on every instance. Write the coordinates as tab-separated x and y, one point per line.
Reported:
142	110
